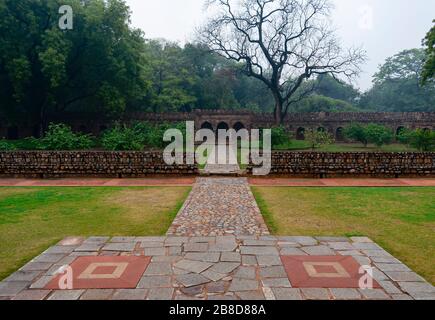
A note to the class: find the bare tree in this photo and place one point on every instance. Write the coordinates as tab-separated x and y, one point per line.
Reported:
283	43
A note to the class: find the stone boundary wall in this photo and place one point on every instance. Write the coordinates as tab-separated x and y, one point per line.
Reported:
358	164
53	164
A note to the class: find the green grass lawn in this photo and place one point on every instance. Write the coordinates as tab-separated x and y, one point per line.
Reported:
33	219
402	220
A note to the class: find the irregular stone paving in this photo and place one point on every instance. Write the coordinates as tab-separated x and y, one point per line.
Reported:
219	206
216	268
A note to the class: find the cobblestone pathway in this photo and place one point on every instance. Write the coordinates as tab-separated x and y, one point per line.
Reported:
215	268
219	206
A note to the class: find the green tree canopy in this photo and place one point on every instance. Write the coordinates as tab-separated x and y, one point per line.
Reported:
429	66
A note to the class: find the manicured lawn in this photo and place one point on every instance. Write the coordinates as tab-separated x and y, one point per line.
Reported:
33	219
402	220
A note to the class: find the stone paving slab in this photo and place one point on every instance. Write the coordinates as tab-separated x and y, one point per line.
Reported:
250	274
219	206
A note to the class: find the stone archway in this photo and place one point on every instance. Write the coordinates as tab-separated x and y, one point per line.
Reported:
300	134
238	126
207	125
339	134
223	126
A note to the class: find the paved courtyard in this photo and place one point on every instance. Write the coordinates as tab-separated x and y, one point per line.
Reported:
215	268
218	248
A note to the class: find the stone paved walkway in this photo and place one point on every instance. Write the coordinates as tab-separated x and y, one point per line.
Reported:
350	182
219	206
215	268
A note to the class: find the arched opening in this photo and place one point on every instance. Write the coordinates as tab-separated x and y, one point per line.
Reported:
321	129
36	132
339	135
223	126
300	134
12	133
238	126
399	131
207	125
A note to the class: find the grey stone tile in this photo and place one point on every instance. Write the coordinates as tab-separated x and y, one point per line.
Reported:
148	282
389	287
23	276
276	283
193	266
333	239
191	280
205	256
361	239
130	294
259	251
60	250
268	261
121	247
161	294
249	260
52	258
423	296
217	287
345	294
223	247
150	252
416	287
195	247
374	294
318	251
66	295
340	246
377	253
245	273
385	260
404	276
401	297
123	240
89	247
231	257
214	276
292	252
97	294
11	288
251	295
37	266
273	272
41	283
305	241
225	267
32	295
366	246
244	285
159	269
153	245
316	294
287	294
259	243
386	267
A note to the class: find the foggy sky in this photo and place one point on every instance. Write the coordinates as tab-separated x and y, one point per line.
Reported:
381	27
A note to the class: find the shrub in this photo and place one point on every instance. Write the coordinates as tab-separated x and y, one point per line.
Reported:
280	137
122	138
379	135
423	140
316	139
356	132
6	145
61	137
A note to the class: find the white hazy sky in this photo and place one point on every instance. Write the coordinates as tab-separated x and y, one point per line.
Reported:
381	27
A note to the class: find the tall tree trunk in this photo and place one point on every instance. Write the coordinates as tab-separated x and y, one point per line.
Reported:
278	108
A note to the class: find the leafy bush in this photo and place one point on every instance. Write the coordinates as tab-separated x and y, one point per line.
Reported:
356	132
371	133
122	138
6	146
316	139
423	140
279	136
61	137
379	135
